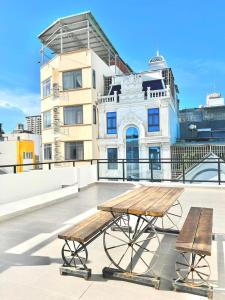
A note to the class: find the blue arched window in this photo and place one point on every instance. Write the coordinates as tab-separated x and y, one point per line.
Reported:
132	153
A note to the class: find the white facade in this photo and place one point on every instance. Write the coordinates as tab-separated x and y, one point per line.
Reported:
132	107
214	99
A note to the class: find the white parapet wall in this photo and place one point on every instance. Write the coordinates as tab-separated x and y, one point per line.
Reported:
14	187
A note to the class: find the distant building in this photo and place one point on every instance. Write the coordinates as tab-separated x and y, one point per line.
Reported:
205	123
19	147
34	124
138	119
202	135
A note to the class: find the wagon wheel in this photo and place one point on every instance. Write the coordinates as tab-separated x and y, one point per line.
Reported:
135	250
193	269
74	254
172	217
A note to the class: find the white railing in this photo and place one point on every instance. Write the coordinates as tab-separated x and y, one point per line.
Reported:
108	98
154	94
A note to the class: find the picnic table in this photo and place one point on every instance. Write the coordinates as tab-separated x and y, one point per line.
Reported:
131	242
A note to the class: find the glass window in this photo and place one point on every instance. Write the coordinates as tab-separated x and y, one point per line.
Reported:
74	150
73	115
111	122
47	119
153	119
46	88
94	115
154	154
94	79
112	158
47	151
72	80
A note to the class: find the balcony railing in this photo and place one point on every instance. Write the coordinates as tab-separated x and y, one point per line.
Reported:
144	169
148	95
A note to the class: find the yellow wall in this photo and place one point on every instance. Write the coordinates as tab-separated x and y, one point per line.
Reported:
24	146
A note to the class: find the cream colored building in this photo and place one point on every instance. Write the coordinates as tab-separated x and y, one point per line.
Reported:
70	84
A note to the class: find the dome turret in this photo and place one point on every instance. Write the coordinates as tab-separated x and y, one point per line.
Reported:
157	62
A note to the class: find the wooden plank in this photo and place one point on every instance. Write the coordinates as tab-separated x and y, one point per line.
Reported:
187	234
107	206
203	238
150	199
87	228
123	206
160	207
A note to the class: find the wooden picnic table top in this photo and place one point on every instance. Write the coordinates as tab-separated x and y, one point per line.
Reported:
144	200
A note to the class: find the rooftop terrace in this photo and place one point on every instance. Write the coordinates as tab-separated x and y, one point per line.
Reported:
30	251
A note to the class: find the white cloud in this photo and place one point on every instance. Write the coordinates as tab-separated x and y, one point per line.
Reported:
27	102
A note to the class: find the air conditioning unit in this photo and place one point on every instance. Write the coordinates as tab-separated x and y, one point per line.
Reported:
55	90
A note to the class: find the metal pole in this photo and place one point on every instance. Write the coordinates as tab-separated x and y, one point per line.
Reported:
97	169
219	177
183	170
123	171
61	39
14	169
151	165
88	34
49	166
42	54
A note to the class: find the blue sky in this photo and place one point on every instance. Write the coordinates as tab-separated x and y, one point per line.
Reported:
190	35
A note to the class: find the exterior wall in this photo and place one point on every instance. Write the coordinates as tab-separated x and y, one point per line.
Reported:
87	132
19	186
12	150
8	155
132	111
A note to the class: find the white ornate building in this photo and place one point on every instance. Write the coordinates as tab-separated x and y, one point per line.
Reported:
138	119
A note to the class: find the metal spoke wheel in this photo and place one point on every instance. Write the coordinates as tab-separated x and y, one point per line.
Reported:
172	217
193	269
74	254
132	250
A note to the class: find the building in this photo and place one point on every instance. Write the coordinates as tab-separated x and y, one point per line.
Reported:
70	83
202	135
138	119
205	123
19	148
34	124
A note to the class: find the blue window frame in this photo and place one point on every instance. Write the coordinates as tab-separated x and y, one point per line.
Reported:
154	154
153	119
111	122
112	158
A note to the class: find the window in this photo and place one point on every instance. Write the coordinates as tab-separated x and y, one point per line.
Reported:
46	88
72	80
47	151
47	119
73	115
111	122
154	154
27	155
112	158
94	115
93	79
74	150
153	119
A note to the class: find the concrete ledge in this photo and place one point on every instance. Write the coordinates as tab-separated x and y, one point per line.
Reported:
20	207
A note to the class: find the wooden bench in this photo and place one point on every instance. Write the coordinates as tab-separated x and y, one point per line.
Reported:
194	243
77	237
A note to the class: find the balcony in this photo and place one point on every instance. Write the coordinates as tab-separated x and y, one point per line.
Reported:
148	95
30	252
